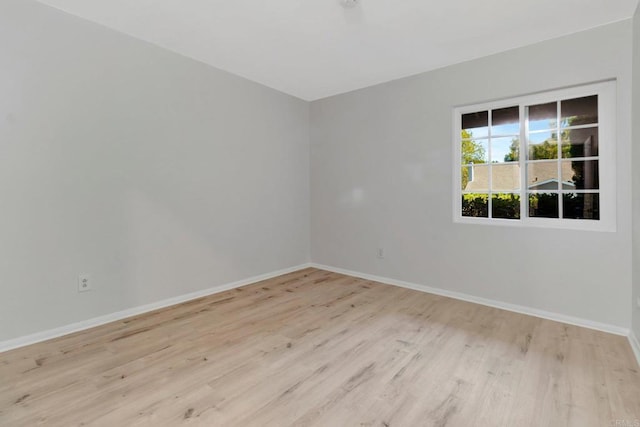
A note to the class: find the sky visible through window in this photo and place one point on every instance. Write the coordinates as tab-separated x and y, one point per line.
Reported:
501	146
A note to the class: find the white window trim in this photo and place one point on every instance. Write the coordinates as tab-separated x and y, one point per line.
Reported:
606	92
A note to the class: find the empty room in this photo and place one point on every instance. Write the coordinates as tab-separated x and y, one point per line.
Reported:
319	213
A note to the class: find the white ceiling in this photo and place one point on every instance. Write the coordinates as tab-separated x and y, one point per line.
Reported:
315	48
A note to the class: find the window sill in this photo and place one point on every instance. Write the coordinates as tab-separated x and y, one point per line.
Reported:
567	224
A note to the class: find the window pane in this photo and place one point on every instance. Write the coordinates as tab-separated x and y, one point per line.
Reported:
581	206
475	205
505	177
505	121
505	206
475	177
542	176
475	125
543	116
543	205
580	142
475	151
466	173
543	145
580	175
579	111
504	149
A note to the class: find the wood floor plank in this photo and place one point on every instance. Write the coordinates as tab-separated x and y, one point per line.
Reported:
315	348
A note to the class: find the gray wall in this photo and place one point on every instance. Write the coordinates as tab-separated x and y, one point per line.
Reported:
154	173
161	176
636	175
381	175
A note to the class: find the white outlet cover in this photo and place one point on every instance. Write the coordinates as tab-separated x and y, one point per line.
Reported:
84	283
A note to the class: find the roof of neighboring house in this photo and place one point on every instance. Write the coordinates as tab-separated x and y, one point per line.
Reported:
506	176
552	184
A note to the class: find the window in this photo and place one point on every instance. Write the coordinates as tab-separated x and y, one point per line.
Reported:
539	160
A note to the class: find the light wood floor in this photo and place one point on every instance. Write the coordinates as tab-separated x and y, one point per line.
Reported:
322	349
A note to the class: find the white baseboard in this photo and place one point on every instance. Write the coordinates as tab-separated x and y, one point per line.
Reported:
635	345
134	311
617	330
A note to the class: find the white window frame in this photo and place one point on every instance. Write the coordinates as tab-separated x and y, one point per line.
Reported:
606	92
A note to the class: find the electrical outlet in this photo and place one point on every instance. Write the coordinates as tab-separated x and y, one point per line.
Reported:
84	283
380	253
